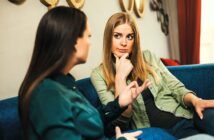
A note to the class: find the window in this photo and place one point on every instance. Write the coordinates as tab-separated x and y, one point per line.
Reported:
207	32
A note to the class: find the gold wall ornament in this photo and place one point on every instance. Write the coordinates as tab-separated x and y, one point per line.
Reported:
50	3
138	6
72	3
124	7
18	2
76	3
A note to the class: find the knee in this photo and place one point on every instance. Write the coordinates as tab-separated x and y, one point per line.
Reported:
207	123
155	134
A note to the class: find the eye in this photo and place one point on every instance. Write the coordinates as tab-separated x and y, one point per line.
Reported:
130	36
116	35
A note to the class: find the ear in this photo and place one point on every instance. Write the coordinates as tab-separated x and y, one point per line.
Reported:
76	45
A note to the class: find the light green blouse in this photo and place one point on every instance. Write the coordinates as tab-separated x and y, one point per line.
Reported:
168	93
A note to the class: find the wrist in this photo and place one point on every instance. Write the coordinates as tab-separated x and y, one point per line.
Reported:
120	77
195	100
120	103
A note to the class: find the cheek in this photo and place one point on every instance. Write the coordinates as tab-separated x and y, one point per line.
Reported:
131	45
113	47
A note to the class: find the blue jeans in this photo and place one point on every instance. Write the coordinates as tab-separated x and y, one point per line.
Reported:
185	127
153	133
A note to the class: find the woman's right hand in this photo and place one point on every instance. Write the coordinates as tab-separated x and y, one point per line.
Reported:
131	92
128	136
123	66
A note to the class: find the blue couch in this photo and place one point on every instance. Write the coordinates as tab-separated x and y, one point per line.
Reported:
198	78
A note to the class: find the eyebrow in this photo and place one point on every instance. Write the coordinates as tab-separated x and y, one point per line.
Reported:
121	33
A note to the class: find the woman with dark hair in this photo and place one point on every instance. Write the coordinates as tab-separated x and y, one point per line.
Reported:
50	105
166	104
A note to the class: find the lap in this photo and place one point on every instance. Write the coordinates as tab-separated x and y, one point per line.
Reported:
207	123
153	133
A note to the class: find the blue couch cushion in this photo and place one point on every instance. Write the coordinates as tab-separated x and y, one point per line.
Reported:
88	90
9	121
198	78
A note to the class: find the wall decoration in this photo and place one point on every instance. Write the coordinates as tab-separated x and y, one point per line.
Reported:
162	16
138	6
76	3
72	3
18	2
50	3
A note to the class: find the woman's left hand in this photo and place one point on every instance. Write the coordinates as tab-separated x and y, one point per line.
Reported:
200	105
131	92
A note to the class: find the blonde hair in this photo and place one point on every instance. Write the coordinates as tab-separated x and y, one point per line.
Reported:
141	68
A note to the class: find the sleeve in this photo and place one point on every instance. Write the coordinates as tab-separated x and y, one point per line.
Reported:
111	111
51	117
99	83
177	87
108	101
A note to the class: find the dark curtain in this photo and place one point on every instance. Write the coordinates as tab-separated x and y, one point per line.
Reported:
189	24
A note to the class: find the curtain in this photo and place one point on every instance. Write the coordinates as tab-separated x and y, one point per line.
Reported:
189	22
170	7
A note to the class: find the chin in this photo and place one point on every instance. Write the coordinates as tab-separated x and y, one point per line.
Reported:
120	54
81	61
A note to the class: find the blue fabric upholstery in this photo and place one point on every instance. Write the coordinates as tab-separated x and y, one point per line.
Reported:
9	120
198	78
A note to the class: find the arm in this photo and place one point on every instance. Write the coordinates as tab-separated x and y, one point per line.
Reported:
199	104
107	96
180	93
114	108
177	87
49	110
55	116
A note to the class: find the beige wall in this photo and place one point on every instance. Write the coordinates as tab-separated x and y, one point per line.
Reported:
17	31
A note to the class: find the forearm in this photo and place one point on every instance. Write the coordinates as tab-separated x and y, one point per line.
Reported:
111	111
120	85
190	99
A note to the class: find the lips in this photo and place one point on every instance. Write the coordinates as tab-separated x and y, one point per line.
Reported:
122	50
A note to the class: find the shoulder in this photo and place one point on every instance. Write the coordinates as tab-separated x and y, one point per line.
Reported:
149	57
97	72
49	92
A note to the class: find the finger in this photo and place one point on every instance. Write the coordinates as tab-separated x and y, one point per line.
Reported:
200	114
209	103
137	133
145	85
116	57
118	131
124	56
134	93
133	84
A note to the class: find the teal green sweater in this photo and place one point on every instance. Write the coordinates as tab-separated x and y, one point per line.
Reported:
58	111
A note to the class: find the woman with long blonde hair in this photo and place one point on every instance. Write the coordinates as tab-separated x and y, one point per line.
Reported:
165	104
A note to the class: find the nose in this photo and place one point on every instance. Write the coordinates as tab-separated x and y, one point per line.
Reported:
123	41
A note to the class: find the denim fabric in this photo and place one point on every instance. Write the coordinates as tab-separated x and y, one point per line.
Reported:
185	127
207	123
154	134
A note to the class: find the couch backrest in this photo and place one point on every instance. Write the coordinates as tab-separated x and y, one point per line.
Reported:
9	120
199	78
88	90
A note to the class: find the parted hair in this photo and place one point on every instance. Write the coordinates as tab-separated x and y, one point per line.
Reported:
141	69
55	41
